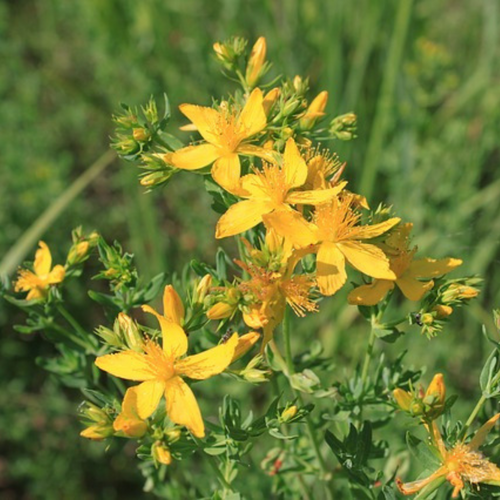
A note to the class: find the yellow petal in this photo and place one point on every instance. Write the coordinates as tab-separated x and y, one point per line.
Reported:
174	337
252	117
369	295
194	157
241	217
416	486
148	395
250	150
294	165
206	120
245	343
330	268
483	431
130	365
128	421
430	268
413	289
315	197
292	226
226	172
367	258
182	407
254	186
56	275
43	259
367	232
173	309
208	363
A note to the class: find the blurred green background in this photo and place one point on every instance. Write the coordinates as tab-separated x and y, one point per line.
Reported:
422	76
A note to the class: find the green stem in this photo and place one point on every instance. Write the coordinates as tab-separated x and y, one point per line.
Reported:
215	468
69	336
86	339
473	415
24	244
310	425
385	101
368	355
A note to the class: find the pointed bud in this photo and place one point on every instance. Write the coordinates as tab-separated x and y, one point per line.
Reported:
203	288
140	134
270	99
173	309
437	389
256	62
130	332
315	111
403	399
442	311
288	414
220	310
97	432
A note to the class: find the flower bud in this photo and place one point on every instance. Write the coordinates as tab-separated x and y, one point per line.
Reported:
78	253
441	311
343	127
173	435
436	392
288	414
203	288
161	453
403	399
130	332
220	310
97	432
315	111
256	61
173	308
270	99
140	134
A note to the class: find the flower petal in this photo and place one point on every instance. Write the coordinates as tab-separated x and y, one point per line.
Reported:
368	232
173	308
250	150
240	217
130	365
56	275
175	340
253	186
207	120
128	421
294	165
208	363
482	432
245	343
252	117
43	259
148	395
330	268
194	157
415	486
315	197
430	268
367	258
182	407
370	295
412	288
226	172
292	226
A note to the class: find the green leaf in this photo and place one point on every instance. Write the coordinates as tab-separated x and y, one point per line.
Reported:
424	453
389	335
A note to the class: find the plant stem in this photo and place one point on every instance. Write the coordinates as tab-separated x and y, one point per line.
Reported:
24	244
473	414
216	469
69	335
87	341
310	425
368	355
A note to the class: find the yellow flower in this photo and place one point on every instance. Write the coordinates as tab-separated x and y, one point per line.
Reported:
226	137
462	463
408	272
161	369
37	283
273	190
